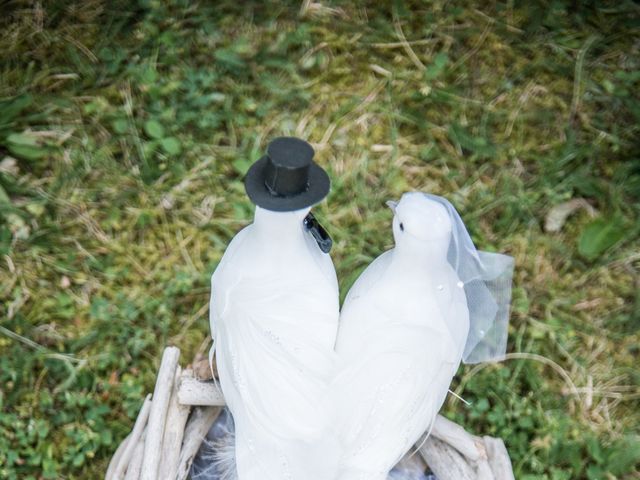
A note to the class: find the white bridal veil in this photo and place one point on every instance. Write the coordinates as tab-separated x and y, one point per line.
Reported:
487	285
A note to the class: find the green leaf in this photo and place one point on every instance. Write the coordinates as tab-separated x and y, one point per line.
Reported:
478	145
36	209
149	148
625	455
78	459
27	153
22	139
25	146
4	198
228	58
149	75
557	474
436	68
594	472
154	129
171	146
120	125
5	247
242	165
10	109
595	449
598	236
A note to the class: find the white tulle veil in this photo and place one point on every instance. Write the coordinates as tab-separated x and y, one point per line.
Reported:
487	286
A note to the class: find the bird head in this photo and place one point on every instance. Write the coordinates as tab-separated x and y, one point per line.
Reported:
421	223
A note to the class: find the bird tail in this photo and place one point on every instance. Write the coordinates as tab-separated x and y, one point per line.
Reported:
216	459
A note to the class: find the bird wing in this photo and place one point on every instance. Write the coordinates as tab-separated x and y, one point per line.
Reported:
270	339
274	325
369	277
351	323
390	395
398	358
323	261
274	371
220	287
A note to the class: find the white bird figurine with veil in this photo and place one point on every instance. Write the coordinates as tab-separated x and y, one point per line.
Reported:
406	324
274	315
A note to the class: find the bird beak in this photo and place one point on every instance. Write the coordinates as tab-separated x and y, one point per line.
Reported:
392	205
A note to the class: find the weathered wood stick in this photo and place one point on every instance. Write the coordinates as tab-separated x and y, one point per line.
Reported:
499	458
134	469
198	425
456	436
116	458
445	461
158	414
134	436
483	470
450	451
194	392
173	433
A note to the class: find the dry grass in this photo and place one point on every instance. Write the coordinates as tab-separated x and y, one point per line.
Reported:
108	235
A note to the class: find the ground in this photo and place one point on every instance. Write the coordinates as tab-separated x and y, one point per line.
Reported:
125	131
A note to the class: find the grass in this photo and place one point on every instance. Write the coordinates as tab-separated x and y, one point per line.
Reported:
126	128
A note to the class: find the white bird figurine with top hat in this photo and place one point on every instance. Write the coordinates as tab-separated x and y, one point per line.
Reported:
407	322
274	315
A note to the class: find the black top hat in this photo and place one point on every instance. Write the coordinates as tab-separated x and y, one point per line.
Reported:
286	178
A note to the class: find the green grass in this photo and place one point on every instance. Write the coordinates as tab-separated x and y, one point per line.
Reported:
126	128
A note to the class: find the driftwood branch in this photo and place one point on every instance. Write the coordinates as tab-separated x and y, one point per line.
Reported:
134	439
173	432
498	458
170	442
200	422
445	461
134	469
158	414
453	434
192	391
116	458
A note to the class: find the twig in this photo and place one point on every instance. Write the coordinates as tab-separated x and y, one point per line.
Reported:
445	461
133	439
498	458
39	348
526	356
158	414
116	458
451	452
475	48
173	433
483	470
577	81
194	392
407	47
456	436
198	425
135	466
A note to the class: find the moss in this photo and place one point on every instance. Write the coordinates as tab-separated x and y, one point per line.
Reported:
109	229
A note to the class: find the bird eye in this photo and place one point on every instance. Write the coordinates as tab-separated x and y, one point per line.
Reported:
401	226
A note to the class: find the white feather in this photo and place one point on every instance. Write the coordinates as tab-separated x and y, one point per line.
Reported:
274	316
397	355
216	458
